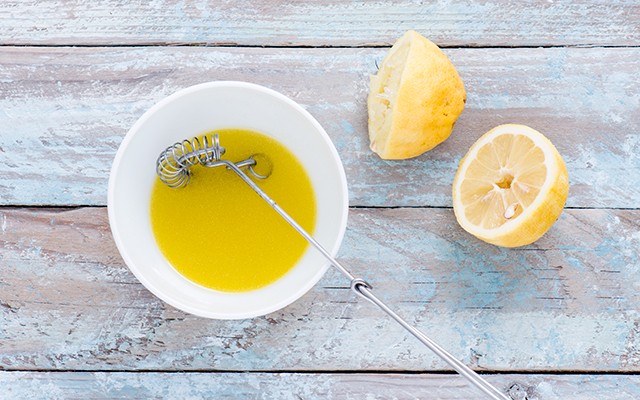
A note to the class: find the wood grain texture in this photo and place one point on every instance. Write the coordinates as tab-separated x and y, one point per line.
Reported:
567	303
75	323
285	386
318	23
64	112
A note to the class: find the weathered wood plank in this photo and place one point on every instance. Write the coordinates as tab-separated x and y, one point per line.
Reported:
315	23
64	111
569	302
116	385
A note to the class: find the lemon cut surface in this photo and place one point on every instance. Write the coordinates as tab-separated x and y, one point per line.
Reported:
414	99
510	187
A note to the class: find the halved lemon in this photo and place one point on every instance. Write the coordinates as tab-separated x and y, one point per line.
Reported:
510	187
414	99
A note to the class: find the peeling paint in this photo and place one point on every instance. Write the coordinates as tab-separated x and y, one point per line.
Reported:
448	23
564	301
550	89
287	386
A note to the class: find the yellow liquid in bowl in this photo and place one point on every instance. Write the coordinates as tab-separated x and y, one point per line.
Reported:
219	233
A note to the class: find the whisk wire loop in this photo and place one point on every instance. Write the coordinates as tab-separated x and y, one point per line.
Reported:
174	163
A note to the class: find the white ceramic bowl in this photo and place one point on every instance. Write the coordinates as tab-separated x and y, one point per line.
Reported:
196	110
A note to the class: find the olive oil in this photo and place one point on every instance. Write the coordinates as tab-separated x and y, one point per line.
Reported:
217	232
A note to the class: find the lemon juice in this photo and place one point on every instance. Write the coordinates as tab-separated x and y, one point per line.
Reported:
217	232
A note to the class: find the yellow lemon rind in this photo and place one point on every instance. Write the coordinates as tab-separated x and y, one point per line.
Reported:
429	99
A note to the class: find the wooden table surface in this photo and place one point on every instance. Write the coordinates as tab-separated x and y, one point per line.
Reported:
557	319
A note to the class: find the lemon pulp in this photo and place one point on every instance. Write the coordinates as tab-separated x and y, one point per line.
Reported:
504	179
217	232
510	187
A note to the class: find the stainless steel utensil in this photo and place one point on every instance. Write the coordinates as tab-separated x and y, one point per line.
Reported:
173	168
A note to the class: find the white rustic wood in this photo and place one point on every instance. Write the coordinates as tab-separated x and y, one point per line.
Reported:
287	386
319	23
567	303
64	112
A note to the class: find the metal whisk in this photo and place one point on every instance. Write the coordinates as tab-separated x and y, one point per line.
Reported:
173	166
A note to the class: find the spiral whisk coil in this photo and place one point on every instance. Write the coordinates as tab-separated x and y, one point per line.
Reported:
173	164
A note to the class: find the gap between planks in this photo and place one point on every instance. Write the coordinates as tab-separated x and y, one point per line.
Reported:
72	207
302	46
328	372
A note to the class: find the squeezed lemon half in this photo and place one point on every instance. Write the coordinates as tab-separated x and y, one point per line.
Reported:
414	99
510	187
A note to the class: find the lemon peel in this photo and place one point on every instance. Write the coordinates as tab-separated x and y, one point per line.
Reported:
510	187
414	99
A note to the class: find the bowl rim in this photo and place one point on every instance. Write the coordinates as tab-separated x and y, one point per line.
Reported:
176	302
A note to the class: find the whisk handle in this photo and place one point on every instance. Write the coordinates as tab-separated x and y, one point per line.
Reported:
363	289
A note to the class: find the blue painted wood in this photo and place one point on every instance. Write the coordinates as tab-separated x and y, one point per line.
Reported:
325	23
64	111
268	386
566	303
